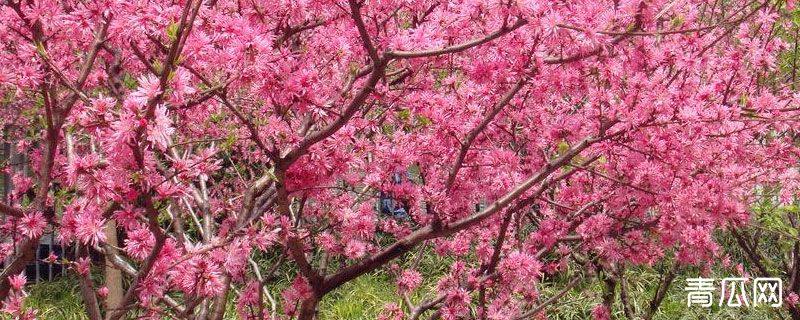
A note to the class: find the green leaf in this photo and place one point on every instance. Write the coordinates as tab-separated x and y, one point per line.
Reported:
158	66
229	141
40	49
172	31
563	146
423	120
404	114
271	174
677	21
171	75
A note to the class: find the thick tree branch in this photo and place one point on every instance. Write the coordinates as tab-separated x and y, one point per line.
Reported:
661	293
11	211
429	232
350	110
355	12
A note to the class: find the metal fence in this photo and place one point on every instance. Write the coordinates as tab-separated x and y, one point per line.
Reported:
39	269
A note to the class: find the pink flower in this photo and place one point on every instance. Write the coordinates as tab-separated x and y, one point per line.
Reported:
102	292
32	224
139	243
210	281
391	311
792	299
199	275
595	226
520	268
151	288
149	88
292	296
21	183
83	265
250	293
159	132
127	217
248	299
458	297
18	281
327	241
600	312
90	229
51	258
408	280
13	305
355	249
124	129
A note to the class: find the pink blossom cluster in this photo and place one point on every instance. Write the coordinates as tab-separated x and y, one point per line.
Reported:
232	143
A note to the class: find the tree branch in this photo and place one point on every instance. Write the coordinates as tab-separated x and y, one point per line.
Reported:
429	232
11	211
88	294
473	134
355	12
661	293
551	300
459	47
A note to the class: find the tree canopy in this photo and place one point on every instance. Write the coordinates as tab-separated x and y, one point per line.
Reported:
224	138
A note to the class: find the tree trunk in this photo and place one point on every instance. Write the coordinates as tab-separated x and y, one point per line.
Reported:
113	276
308	308
25	254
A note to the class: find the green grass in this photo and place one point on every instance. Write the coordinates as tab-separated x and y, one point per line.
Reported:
362	298
366	296
58	300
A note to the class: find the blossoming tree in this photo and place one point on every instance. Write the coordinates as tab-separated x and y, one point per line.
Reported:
528	134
